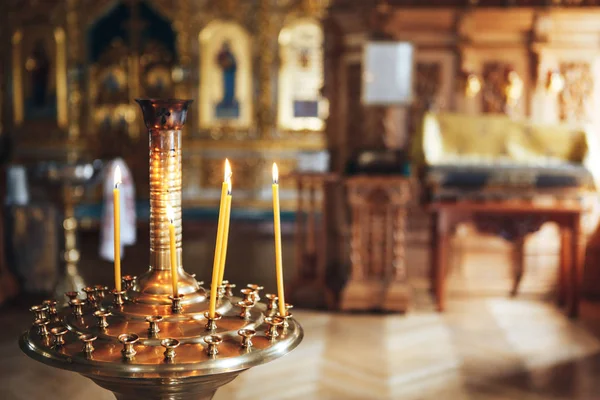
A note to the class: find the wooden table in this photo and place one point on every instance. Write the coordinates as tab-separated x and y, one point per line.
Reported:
514	220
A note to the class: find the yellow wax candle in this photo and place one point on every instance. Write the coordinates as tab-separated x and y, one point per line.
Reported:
173	250
225	233
277	229
214	287
117	227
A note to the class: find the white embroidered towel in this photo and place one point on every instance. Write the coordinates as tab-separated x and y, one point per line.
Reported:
128	212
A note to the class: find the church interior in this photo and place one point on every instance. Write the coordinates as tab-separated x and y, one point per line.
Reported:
418	178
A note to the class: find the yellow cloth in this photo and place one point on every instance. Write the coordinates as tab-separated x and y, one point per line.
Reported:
558	143
450	138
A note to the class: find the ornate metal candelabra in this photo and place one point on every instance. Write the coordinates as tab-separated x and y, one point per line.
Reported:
70	180
144	343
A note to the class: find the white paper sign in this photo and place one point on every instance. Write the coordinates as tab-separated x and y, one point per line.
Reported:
388	73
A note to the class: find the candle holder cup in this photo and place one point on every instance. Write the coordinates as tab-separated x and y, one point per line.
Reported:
90	294
221	292
58	332
273	325
248	294
213	342
51	304
101	317
229	289
39	311
71	295
255	291
176	305
245	306
42	327
101	291
118	300
247	334
170	345
77	307
88	347
211	322
271	305
128	340
288	315
153	321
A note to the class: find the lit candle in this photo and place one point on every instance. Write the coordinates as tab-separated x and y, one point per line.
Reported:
225	233
214	287
117	227
173	250
277	229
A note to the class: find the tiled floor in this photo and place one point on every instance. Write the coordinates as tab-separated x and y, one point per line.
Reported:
482	348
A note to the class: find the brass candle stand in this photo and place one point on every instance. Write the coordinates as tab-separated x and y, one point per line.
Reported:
142	342
70	180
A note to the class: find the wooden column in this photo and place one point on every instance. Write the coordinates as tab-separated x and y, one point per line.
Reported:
264	120
74	69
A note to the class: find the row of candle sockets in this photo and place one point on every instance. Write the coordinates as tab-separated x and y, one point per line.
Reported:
47	313
220	254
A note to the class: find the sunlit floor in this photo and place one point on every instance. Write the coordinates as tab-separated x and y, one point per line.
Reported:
482	348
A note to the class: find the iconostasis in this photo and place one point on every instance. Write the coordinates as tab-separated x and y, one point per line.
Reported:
254	68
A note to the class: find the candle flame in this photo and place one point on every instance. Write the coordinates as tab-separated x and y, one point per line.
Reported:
117	176
229	185
275	173
227	171
170	214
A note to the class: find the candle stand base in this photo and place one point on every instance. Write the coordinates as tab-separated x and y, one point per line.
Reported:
200	388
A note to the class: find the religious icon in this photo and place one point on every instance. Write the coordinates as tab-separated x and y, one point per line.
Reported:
225	76
304	58
228	107
301	76
40	100
110	83
106	122
38	66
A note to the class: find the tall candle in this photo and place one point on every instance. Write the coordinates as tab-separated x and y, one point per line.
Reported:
277	231
117	227
173	250
214	287
225	233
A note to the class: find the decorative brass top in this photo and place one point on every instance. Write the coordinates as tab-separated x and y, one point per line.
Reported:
167	114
